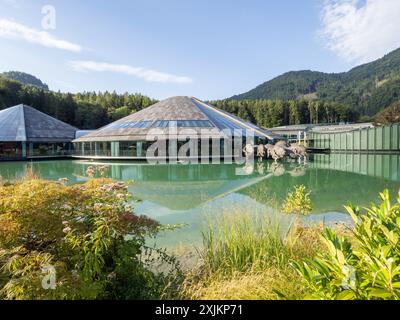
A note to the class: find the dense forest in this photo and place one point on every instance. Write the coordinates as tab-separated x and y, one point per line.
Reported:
273	113
88	110
367	88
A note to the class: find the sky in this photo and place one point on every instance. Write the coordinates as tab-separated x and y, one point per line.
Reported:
210	49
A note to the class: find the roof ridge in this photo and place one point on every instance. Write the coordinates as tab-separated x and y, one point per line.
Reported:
23	120
46	115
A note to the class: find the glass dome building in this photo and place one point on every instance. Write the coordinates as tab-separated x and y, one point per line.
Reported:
26	133
170	128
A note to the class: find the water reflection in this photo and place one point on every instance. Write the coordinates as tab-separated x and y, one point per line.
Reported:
333	179
178	194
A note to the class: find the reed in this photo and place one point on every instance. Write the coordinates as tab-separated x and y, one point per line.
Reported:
248	256
240	242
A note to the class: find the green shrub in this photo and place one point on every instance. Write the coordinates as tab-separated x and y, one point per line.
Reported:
298	201
85	236
367	266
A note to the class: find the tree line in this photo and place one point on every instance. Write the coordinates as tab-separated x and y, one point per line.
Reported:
88	110
92	110
273	113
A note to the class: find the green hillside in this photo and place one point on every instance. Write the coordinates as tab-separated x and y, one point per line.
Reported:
368	88
25	78
87	110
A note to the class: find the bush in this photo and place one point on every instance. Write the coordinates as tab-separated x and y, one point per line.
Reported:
389	115
366	266
298	201
75	242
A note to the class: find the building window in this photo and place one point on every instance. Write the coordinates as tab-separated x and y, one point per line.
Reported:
10	149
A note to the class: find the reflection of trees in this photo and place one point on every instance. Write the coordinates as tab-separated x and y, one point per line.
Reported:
330	189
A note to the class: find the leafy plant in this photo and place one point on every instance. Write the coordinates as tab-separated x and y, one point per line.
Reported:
87	235
298	201
366	266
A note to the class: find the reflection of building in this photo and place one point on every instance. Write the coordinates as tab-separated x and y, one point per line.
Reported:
384	166
178	187
174	122
28	133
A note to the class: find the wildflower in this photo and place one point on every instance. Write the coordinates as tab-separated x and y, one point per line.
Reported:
97	206
66	207
67	230
90	171
63	180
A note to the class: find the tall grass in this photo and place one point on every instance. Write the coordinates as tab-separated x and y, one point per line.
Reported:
247	256
239	242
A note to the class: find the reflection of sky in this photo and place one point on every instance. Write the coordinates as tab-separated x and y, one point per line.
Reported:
179	194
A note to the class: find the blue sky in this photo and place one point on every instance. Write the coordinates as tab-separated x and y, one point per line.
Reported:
208	49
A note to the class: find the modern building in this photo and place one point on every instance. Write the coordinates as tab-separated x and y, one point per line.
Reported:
299	132
27	133
174	123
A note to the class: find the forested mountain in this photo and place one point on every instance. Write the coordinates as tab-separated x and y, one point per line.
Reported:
88	110
292	98
91	110
367	88
25	78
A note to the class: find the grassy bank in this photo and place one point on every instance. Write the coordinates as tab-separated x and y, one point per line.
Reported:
248	257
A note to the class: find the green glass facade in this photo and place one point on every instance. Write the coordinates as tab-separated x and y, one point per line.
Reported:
379	139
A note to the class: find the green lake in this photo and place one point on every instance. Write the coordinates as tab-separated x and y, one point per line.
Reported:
193	194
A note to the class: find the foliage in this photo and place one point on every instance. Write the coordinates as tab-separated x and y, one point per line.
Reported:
369	268
298	201
86	235
389	115
272	113
87	110
367	88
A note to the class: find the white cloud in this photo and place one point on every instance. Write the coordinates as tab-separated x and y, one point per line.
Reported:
142	73
14	30
361	30
12	3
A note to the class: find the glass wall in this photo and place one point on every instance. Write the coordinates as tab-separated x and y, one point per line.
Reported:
41	149
9	150
103	149
128	149
138	149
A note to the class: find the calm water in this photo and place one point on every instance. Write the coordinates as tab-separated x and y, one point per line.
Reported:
194	194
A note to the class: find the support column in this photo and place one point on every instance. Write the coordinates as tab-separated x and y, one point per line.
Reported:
23	149
115	148
139	148
30	154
